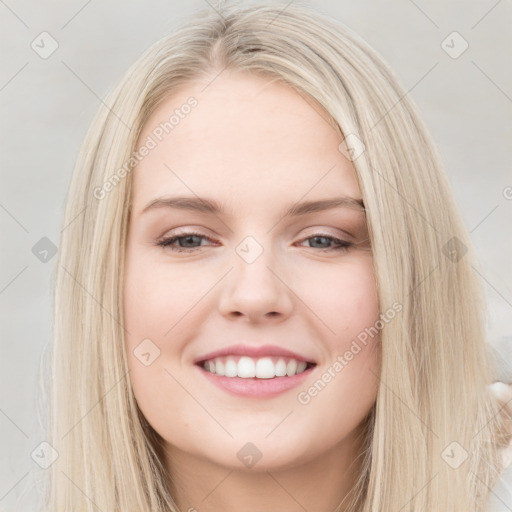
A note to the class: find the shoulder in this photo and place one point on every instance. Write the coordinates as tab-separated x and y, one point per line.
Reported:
500	496
503	394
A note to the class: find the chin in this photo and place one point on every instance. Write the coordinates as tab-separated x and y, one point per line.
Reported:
257	455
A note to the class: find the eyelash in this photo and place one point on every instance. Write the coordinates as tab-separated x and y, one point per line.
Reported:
167	242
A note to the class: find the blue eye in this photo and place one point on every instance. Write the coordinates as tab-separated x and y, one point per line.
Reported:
341	244
186	242
186	238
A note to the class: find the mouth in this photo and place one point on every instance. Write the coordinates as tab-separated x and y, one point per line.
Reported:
249	377
245	367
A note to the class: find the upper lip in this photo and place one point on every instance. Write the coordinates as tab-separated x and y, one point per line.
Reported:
251	351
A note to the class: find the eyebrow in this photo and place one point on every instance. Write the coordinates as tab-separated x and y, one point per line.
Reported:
205	205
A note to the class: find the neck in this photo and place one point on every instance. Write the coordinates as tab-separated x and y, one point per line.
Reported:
323	483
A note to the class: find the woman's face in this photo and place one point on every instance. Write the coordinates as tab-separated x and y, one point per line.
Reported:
253	280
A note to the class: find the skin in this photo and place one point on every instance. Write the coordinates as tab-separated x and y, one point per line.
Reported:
257	147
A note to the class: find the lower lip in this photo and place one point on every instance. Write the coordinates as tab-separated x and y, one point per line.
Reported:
257	388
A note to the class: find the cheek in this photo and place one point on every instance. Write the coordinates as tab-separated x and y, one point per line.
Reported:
157	297
347	304
152	307
343	297
156	300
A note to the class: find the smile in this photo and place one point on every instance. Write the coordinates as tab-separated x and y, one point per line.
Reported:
262	377
249	367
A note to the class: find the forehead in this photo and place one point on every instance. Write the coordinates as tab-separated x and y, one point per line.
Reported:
247	137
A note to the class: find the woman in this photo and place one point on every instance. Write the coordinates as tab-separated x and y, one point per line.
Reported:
265	297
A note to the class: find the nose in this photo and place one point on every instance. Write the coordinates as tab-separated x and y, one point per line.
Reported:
257	291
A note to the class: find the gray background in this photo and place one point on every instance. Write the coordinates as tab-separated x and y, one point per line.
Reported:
48	103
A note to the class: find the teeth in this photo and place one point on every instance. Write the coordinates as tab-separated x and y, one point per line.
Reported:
301	366
248	367
291	367
231	368
281	368
265	368
219	367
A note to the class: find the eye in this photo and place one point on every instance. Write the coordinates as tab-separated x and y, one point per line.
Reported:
190	241
341	245
185	241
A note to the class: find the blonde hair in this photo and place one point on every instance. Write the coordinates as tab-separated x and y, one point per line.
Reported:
432	403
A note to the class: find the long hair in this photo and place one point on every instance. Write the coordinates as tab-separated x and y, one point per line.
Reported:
430	442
